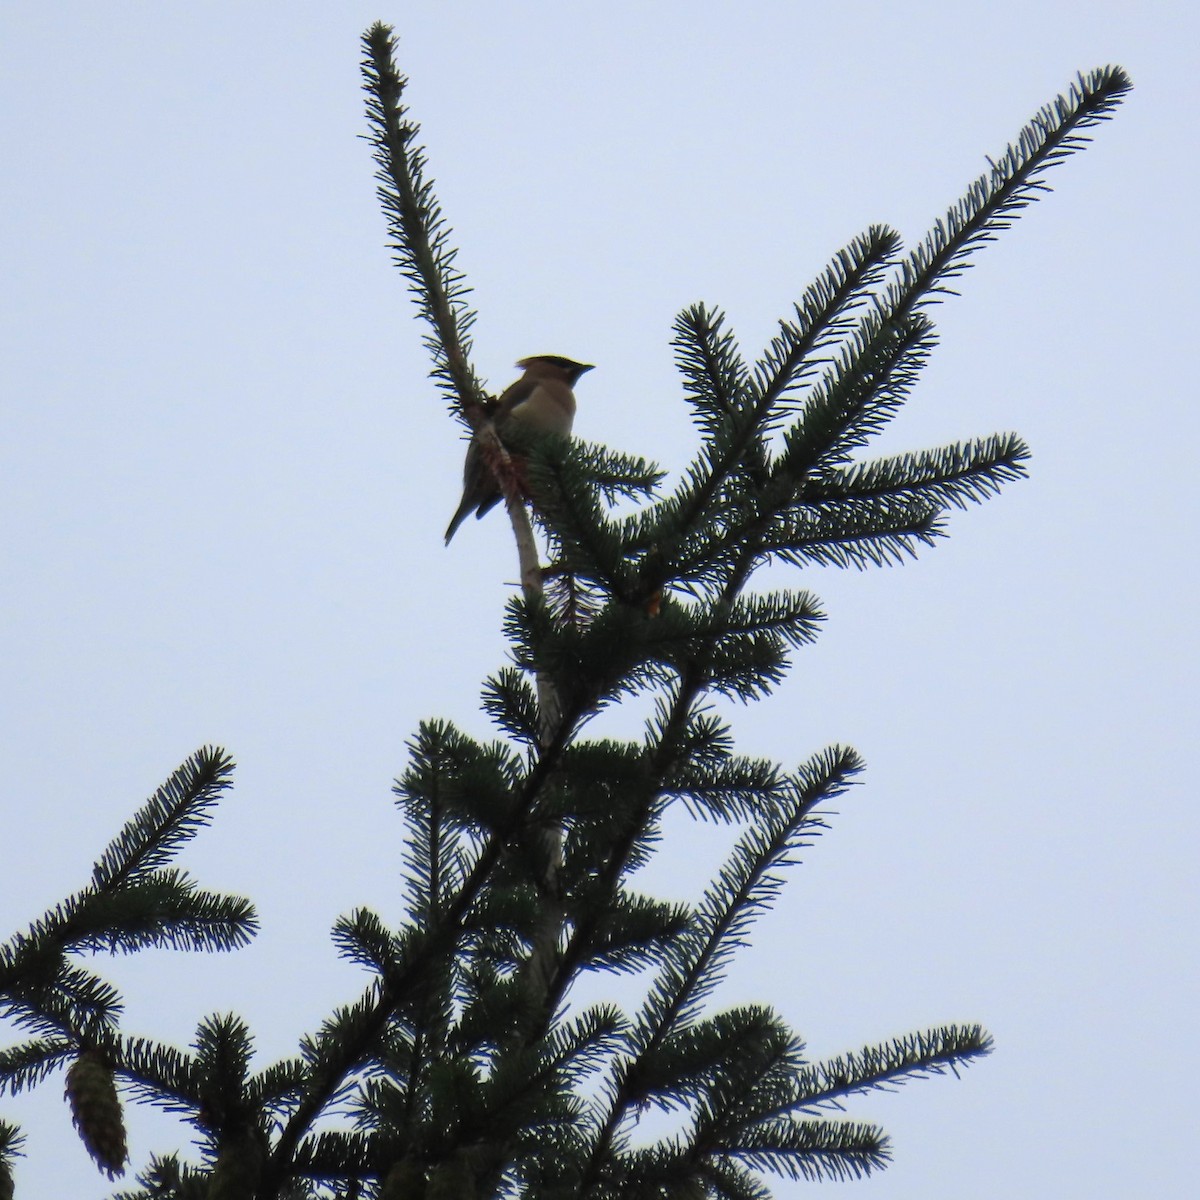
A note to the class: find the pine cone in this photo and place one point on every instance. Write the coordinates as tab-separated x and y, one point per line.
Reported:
96	1111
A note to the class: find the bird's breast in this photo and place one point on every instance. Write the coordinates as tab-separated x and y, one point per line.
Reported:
545	413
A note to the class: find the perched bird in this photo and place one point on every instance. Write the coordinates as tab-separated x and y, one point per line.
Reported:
542	402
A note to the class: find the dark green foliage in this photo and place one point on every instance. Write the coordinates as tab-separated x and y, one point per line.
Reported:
10	1148
476	1061
170	818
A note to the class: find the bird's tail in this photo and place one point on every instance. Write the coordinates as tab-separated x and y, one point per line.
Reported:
459	517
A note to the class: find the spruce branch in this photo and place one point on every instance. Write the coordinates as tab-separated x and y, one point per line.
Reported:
158	1074
363	938
273	1090
813	1151
824	315
746	885
420	237
635	934
714	371
854	533
731	789
1015	181
704	1062
736	413
26	1064
336	1155
858	395
177	811
946	1048
71	1002
421	244
872	374
166	1178
725	1179
958	474
11	1147
163	908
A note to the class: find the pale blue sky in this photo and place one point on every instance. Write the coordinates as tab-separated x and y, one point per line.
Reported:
224	478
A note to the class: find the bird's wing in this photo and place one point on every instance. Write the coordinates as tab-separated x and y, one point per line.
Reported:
512	395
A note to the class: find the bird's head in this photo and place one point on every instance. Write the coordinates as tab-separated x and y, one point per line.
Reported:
555	366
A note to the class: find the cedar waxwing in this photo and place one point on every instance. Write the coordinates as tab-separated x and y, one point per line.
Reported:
542	400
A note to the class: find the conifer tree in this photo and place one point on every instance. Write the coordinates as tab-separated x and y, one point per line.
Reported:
465	1067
